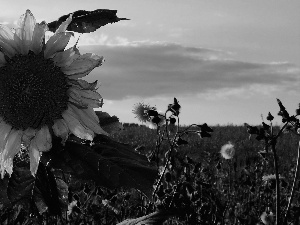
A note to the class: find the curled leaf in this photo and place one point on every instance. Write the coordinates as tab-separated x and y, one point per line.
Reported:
87	21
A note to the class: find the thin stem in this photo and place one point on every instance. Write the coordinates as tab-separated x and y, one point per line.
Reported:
280	131
161	176
277	185
229	190
172	143
293	187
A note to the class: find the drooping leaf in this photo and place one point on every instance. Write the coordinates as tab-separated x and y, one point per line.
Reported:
87	21
4	200
47	190
109	123
20	186
44	190
110	164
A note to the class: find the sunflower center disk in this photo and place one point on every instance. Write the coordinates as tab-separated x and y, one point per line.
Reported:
33	91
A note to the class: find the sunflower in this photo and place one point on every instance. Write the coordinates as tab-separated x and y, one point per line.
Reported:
41	92
141	111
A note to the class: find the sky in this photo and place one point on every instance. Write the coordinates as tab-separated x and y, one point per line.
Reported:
226	61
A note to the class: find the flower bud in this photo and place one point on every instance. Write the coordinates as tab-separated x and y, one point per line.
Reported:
156	120
251	130
172	120
206	128
265	126
282	108
270	117
203	134
152	112
175	107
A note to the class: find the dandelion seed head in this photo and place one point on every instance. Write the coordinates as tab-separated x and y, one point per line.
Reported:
267	218
227	151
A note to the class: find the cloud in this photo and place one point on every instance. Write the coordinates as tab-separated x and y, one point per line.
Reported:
4	22
148	69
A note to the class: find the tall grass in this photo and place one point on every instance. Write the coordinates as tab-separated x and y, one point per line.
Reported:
234	191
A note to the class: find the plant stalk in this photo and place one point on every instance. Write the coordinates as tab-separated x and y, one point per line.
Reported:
277	185
294	185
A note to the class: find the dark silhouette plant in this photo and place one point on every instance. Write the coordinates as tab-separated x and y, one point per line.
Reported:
266	134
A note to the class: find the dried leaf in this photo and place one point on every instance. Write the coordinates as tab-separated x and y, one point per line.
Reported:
87	21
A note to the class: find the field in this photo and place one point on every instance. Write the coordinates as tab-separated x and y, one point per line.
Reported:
225	191
246	148
194	183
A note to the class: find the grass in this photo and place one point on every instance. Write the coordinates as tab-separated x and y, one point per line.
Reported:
243	196
198	186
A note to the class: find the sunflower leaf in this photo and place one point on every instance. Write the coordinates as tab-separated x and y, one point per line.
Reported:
4	200
44	189
87	21
108	163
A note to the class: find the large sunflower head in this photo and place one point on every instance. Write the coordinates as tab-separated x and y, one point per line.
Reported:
41	90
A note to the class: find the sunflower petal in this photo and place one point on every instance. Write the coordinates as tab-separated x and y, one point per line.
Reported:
85	98
75	98
6	34
64	25
87	119
60	129
84	102
83	65
38	37
77	104
4	132
90	94
13	144
42	139
24	32
92	114
76	127
93	103
84	84
65	58
6	166
57	43
29	133
7	42
11	148
92	98
34	156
